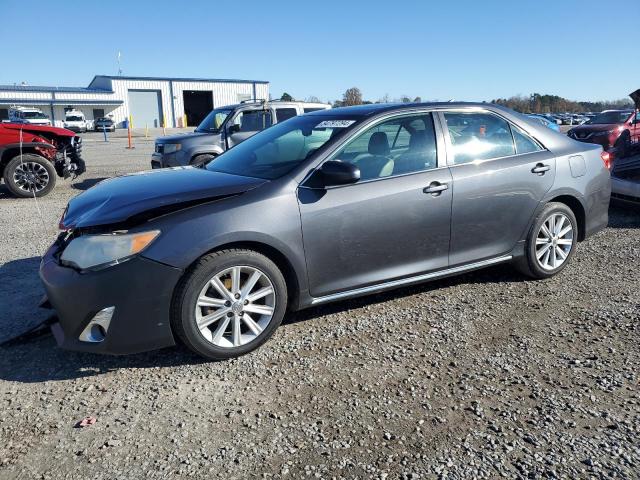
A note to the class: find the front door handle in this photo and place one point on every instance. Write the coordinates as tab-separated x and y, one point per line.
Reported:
540	169
435	188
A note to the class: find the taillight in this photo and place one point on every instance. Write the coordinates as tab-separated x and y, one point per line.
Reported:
606	158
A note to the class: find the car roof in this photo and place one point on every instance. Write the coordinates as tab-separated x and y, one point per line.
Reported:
376	108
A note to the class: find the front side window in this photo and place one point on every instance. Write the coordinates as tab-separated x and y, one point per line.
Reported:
278	150
253	120
478	136
283	114
395	147
213	122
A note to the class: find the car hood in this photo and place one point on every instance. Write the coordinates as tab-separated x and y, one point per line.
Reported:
635	96
151	193
33	128
180	137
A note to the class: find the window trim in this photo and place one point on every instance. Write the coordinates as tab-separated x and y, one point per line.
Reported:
441	148
447	137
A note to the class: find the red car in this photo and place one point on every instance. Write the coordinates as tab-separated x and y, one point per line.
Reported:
616	130
31	156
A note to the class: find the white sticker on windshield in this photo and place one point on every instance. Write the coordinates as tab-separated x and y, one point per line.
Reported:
335	124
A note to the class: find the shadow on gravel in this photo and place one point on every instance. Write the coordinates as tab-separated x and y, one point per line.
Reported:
20	296
40	360
87	183
624	215
497	274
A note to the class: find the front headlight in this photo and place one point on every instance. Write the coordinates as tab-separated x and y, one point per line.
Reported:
172	147
90	251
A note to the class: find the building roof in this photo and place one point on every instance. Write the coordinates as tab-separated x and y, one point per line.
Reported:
177	79
41	88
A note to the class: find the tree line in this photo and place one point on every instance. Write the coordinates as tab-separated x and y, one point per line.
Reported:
535	103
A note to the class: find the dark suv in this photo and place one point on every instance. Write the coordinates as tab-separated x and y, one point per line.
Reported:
222	129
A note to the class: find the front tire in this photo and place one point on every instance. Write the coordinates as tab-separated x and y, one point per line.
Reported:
623	145
551	242
229	303
201	161
28	175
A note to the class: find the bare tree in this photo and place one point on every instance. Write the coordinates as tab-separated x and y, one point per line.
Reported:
352	96
313	99
417	100
384	99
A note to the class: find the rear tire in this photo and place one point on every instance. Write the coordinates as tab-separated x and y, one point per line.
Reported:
29	174
551	242
229	303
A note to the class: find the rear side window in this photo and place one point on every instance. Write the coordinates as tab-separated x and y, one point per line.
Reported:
312	109
283	114
478	136
524	143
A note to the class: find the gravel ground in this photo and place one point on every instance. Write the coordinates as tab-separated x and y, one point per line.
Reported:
481	376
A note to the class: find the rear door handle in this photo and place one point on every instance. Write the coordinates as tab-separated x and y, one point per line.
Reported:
540	168
435	188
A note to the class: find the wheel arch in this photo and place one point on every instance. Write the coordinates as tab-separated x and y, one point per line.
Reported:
578	211
272	253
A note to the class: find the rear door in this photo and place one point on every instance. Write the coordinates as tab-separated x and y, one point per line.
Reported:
500	174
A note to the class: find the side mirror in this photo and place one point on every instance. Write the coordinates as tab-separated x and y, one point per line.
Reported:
234	128
335	172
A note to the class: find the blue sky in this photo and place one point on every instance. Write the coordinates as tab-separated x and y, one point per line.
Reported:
456	49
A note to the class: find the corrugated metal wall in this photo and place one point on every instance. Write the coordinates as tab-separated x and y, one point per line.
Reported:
224	93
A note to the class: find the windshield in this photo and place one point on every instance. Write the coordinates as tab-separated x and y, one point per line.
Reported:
33	115
74	118
214	120
276	151
609	117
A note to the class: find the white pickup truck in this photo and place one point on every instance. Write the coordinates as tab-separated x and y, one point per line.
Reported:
32	116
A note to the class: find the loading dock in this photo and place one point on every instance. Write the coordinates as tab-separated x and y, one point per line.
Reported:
197	105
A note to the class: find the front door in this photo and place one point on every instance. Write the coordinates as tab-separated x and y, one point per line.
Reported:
247	123
500	175
393	223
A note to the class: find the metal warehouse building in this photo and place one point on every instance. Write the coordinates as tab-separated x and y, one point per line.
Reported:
178	102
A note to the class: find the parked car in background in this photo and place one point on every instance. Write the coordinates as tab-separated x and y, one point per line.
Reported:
75	121
224	128
32	155
615	130
545	121
104	124
625	185
28	115
320	208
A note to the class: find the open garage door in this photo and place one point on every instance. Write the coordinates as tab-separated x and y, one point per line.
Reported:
146	108
197	105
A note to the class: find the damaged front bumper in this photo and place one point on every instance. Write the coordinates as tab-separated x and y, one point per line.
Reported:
135	295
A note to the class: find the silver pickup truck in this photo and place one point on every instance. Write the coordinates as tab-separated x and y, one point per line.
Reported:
223	128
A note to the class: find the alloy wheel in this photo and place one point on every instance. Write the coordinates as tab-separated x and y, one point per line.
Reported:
554	241
31	177
235	306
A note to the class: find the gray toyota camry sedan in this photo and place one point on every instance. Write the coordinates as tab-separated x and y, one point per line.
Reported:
322	207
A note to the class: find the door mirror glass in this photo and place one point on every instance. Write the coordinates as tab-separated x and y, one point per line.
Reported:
234	128
335	172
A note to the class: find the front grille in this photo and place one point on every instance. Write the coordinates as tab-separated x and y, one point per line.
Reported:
159	148
581	135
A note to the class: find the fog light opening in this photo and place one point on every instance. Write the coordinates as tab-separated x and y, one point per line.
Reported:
96	330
